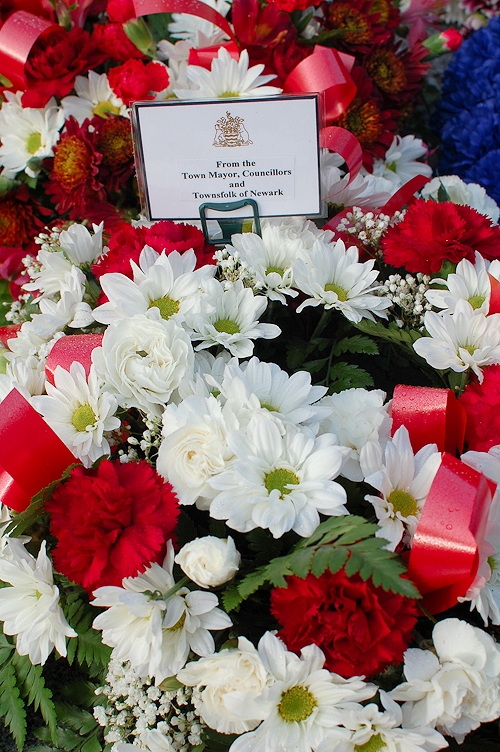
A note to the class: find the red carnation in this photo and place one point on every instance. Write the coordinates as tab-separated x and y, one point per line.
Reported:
431	233
121	10
111	523
135	81
114	43
55	60
482	405
361	628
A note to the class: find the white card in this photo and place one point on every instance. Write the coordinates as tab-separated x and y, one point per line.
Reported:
227	150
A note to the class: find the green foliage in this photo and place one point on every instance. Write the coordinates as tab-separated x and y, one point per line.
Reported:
32	683
338	542
5	301
87	649
11	704
391	333
344	375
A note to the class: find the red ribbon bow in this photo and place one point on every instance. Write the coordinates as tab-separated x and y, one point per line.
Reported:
32	454
68	349
17	37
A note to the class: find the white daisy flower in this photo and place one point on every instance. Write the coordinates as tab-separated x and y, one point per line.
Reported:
28	136
154	624
357	416
27	375
79	412
186	26
207	376
30	608
468	194
168	283
300	708
279	482
333	278
404	480
50	273
227	78
94	97
290	399
269	260
365	190
230	318
400	162
460	340
470	282
372	729
70	309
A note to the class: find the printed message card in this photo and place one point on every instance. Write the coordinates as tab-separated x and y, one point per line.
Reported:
194	152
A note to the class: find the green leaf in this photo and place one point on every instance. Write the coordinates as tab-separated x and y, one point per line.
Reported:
87	649
313	366
140	35
91	745
358	343
231	597
6	648
5	300
31	681
344	375
300	562
65	738
77	719
252	582
11	705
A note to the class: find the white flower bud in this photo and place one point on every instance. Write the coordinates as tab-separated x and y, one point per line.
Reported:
209	561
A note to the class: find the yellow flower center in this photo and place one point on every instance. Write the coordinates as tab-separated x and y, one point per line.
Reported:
227	94
34	142
104	109
269	407
297	704
372	745
278	479
178	625
275	269
227	326
166	306
82	417
403	502
477	301
339	291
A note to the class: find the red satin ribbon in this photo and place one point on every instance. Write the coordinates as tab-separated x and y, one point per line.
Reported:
494	295
325	71
31	456
203	56
68	349
8	332
346	144
431	415
193	7
444	558
404	194
17	37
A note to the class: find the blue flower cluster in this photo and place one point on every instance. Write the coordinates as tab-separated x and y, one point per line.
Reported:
468	115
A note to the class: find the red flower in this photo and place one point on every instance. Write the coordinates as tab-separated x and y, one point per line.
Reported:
361	628
135	81
120	10
126	243
55	60
286	56
431	233
111	40
359	24
482	405
114	142
111	523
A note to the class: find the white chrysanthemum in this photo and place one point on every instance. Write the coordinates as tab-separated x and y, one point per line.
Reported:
153	625
30	607
228	78
194	447
364	190
400	162
27	375
332	277
230	318
28	136
235	674
470	282
456	688
279	482
49	277
70	309
79	412
79	245
468	194
460	340
404	480
357	416
300	707
269	260
291	399
198	31
168	283
143	359
372	730
207	376
94	97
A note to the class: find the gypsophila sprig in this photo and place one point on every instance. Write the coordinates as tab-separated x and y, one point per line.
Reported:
407	295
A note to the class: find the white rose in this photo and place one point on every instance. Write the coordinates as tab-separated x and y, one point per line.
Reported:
231	674
194	447
143	359
209	561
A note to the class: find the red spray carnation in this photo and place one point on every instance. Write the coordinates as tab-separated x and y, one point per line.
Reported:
56	58
120	11
136	81
114	43
111	523
286	56
361	628
114	142
431	233
482	405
